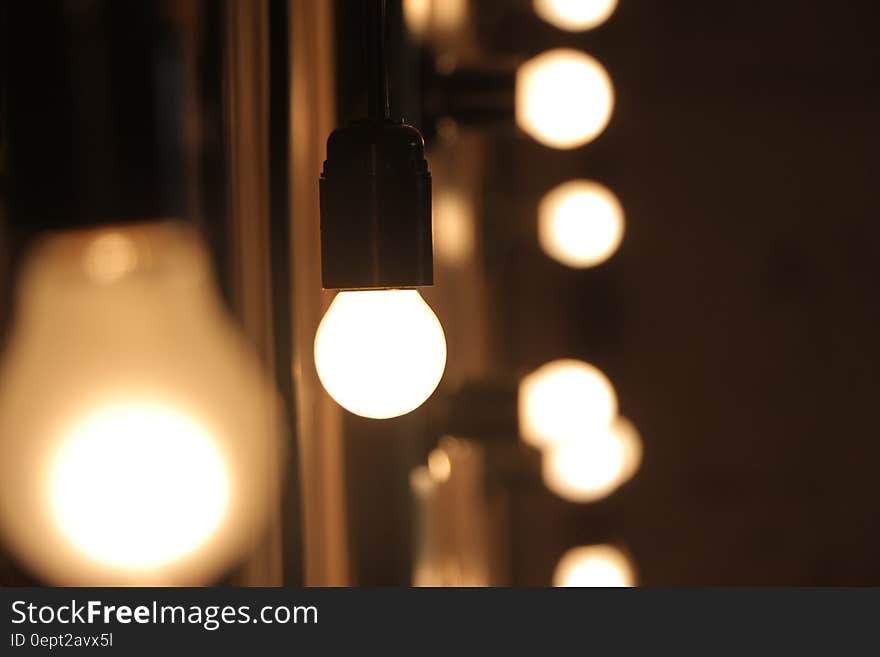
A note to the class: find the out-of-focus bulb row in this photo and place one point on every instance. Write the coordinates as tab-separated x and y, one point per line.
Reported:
568	410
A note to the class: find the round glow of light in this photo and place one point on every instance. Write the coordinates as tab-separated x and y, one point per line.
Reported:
137	486
594	566
380	353
565	400
439	465
564	98
580	223
590	468
575	15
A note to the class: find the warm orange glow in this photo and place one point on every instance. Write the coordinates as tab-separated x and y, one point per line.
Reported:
439	465
443	16
110	256
575	15
594	565
138	485
564	98
580	223
139	439
453	228
565	400
380	353
594	466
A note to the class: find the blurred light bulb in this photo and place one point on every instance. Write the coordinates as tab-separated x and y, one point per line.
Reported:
590	468
439	465
380	353
453	228
564	98
422	17
580	223
575	15
417	17
170	485
137	432
594	565
565	400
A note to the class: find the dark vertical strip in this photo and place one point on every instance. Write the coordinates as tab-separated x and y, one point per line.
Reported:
214	198
280	243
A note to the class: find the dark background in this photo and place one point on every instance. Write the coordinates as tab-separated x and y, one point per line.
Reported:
739	319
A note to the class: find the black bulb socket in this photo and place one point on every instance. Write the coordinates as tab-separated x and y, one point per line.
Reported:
376	208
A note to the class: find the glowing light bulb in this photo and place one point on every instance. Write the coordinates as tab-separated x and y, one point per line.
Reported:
380	353
565	400
580	223
138	435
575	15
594	565
169	481
590	468
564	98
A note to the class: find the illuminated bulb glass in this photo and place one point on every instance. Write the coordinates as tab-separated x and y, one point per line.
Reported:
564	98
575	15
380	353
565	400
594	565
170	485
580	223
138	436
590	468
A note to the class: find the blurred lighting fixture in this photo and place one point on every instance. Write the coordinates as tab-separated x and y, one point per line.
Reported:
594	565
426	17
564	98
592	467
379	350
439	465
575	15
580	223
136	428
453	228
565	400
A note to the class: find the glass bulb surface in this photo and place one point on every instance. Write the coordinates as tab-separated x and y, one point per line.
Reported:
169	485
575	15
138	435
592	467
594	565
580	223
564	98
380	353
565	400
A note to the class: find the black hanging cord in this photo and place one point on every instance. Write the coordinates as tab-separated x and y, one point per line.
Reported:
378	104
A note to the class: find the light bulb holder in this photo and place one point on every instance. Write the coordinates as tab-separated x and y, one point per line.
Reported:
376	208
